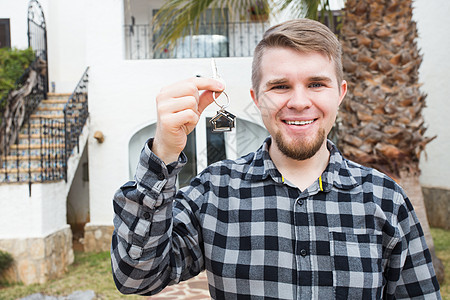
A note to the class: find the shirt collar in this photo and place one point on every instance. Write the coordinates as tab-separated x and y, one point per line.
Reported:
336	174
262	165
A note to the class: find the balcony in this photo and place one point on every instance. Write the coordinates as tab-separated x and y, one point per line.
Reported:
231	39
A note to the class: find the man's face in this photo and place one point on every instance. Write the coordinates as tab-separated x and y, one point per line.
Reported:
298	98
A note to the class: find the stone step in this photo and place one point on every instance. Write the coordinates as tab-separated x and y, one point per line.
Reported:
31	170
27	146
49	175
49	116
58	96
35	150
21	158
49	108
35	129
54	101
29	136
11	166
58	104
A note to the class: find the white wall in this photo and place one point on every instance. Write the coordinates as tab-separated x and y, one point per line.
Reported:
66	33
37	216
434	40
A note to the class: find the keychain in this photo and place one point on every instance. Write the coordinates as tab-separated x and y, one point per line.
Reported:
223	121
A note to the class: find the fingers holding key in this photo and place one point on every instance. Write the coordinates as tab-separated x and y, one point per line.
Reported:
179	107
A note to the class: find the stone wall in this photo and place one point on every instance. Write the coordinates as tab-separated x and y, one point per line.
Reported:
437	202
97	238
37	260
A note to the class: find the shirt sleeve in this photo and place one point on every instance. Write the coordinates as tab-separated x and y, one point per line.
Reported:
147	254
410	273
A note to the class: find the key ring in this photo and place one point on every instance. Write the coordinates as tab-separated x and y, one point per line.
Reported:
223	120
221	106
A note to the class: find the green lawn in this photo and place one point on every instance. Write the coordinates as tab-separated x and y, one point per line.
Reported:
92	271
441	239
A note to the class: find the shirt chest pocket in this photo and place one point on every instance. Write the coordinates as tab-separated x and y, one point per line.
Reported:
357	270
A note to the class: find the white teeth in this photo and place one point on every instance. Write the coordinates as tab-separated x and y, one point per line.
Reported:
299	122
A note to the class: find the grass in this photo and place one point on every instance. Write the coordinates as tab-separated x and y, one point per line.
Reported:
441	239
92	271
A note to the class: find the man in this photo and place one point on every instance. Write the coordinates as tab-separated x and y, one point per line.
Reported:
293	220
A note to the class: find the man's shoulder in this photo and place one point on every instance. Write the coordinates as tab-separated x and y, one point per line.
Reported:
365	175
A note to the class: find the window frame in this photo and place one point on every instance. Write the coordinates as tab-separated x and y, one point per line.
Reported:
7	33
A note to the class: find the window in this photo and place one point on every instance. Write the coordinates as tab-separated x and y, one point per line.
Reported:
5	35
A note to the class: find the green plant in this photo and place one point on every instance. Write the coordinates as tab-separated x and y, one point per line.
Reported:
6	261
13	63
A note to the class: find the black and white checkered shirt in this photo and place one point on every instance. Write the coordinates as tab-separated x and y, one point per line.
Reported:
351	235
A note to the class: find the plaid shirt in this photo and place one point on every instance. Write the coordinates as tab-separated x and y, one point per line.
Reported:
352	234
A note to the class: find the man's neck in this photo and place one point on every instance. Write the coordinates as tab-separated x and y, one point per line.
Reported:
301	173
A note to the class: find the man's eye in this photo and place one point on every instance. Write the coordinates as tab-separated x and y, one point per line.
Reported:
316	85
280	87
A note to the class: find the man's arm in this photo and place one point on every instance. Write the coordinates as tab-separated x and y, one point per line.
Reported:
147	253
410	270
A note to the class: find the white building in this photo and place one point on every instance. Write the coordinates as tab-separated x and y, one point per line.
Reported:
125	74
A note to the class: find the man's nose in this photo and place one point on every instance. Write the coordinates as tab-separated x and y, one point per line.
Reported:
300	99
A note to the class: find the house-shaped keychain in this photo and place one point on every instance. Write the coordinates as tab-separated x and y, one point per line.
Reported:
223	121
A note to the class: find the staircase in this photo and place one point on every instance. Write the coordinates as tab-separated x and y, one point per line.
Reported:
47	138
38	154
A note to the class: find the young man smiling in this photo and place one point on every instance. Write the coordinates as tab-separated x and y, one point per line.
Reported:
298	97
294	219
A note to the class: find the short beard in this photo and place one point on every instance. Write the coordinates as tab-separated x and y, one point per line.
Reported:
300	150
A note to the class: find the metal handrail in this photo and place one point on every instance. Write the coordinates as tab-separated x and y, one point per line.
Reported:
75	115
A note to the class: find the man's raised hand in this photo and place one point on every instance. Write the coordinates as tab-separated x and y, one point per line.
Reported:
179	107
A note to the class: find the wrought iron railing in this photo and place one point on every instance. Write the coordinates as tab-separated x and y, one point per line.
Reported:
232	39
75	115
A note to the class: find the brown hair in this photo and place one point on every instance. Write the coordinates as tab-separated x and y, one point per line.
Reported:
303	35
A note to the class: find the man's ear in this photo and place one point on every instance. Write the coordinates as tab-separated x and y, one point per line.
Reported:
253	94
343	91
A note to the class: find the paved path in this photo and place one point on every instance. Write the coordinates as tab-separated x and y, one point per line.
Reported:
192	289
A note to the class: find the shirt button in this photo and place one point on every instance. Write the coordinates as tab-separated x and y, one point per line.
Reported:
161	176
147	215
300	202
303	252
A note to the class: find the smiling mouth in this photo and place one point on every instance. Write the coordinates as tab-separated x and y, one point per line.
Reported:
298	123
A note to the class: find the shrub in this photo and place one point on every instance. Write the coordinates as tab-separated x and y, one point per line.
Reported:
13	63
6	261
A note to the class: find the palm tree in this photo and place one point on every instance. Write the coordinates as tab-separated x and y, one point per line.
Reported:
177	18
380	122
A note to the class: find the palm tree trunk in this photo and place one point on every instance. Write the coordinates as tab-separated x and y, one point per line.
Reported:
381	123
